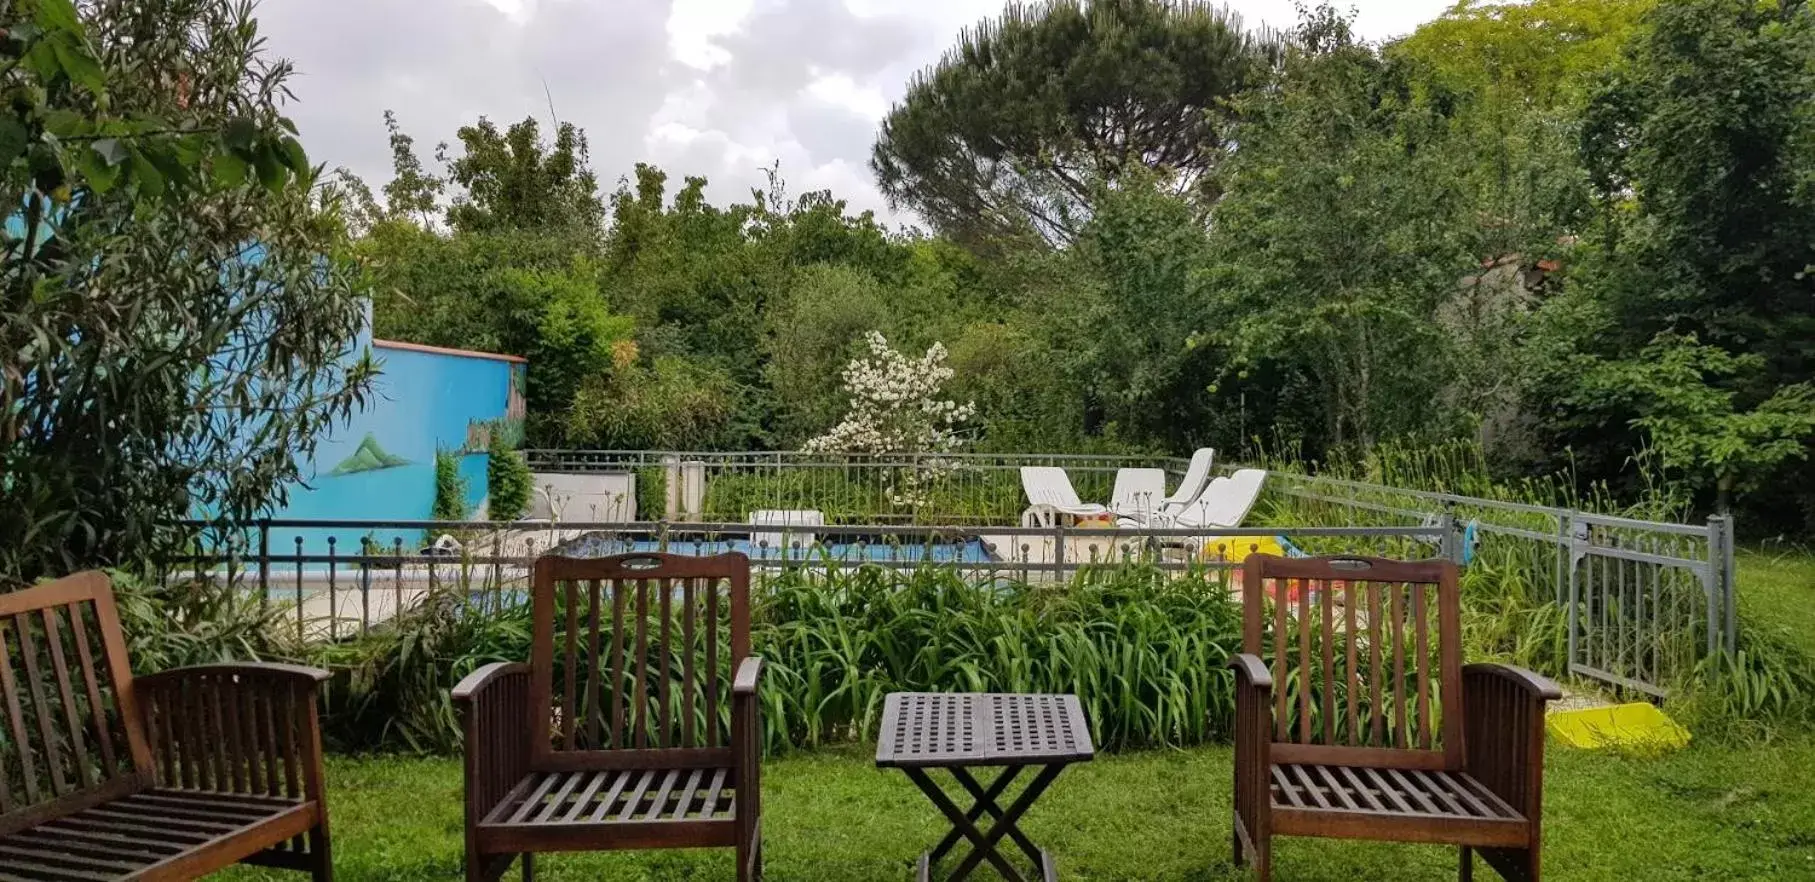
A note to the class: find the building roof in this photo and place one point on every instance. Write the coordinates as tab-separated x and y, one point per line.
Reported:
443	350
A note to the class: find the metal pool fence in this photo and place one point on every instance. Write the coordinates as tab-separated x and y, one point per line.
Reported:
958	489
1644	601
335	579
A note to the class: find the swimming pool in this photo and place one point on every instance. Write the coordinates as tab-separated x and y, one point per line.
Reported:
845	549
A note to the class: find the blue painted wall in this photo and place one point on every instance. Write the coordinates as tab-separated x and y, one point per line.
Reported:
423	401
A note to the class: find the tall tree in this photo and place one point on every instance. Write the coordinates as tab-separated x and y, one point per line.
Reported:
176	311
412	193
1008	135
1544	53
1702	150
513	180
1343	229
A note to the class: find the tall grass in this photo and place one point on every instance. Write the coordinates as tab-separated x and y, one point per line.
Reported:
190	622
1143	649
390	687
1464	468
1143	652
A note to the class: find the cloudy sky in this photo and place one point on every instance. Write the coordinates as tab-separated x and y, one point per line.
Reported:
720	88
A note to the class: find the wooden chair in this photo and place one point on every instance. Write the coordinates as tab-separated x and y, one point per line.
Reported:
1363	723
623	731
167	776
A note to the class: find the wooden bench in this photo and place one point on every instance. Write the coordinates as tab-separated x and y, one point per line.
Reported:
624	730
1362	723
169	776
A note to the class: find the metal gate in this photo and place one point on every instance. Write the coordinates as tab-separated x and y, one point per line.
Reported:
1643	601
1647	601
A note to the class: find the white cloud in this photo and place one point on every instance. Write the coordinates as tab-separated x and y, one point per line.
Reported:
720	88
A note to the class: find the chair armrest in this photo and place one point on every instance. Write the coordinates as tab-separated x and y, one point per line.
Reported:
748	672
1252	670
235	727
273	670
472	684
1536	686
1503	732
493	704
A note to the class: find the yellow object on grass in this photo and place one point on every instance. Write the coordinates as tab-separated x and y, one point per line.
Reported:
1235	549
1637	725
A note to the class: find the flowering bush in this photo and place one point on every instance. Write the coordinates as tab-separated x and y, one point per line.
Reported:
896	409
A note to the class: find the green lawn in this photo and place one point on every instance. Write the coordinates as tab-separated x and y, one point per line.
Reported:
1706	813
1777	592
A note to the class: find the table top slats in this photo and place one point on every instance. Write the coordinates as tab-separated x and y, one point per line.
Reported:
943	729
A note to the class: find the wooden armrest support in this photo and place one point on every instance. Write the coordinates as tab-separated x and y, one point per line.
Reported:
1503	731
493	703
1253	741
256	714
748	672
1253	670
747	741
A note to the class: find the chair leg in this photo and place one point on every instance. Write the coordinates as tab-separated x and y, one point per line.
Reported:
323	854
747	866
1466	872
1240	855
1513	864
529	867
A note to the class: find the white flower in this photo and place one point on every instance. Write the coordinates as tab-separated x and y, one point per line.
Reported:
895	409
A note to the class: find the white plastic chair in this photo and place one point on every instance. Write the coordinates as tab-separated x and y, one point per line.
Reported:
1225	503
1138	492
1192	486
1050	497
784	543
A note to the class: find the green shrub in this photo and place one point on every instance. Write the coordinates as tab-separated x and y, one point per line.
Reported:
390	687
508	481
450	488
652	493
196	621
1144	652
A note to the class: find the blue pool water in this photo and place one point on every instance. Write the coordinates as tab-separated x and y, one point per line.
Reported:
956	551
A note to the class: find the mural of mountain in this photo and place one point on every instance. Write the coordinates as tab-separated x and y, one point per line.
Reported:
368	457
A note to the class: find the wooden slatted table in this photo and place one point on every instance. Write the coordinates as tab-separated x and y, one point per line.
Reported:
923	731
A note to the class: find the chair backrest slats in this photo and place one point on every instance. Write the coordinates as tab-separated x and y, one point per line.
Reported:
629	652
92	685
67	695
1365	655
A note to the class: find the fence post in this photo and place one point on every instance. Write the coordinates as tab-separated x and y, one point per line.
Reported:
1449	545
1564	563
1722	615
1580	537
693	489
264	564
671	487
1058	548
1731	573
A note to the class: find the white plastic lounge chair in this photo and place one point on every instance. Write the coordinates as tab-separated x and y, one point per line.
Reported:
1138	492
790	538
1051	497
1225	503
1192	486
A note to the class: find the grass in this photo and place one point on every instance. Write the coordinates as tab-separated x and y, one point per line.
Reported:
1777	592
1704	813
